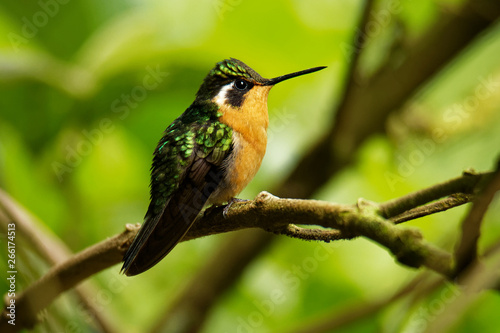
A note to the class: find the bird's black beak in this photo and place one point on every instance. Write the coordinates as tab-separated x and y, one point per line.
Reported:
272	82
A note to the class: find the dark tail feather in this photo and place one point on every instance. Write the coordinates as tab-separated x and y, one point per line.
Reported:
160	234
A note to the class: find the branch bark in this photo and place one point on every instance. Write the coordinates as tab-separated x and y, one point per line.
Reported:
466	184
466	251
266	212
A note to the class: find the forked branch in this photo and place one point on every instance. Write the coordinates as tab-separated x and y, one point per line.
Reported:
280	216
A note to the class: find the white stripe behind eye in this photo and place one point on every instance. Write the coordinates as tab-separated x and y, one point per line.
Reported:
221	97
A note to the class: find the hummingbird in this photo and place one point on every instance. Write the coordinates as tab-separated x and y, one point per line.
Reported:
207	156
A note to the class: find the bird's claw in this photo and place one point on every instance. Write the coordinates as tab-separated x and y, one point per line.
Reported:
229	203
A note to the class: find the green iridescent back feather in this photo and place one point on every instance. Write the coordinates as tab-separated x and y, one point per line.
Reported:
197	133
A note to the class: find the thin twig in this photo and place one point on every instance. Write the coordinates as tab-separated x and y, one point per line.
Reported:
465	184
432	208
466	251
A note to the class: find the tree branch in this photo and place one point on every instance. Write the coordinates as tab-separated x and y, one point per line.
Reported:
64	276
442	205
338	319
466	184
358	42
266	212
466	251
52	250
477	277
364	112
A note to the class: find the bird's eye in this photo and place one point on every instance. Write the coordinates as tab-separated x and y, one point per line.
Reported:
241	84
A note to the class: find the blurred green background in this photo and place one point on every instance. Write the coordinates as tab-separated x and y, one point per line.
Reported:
87	89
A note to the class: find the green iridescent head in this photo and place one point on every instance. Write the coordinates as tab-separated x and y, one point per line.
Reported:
225	72
233	72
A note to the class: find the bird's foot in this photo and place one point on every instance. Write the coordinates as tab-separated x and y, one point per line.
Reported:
229	203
